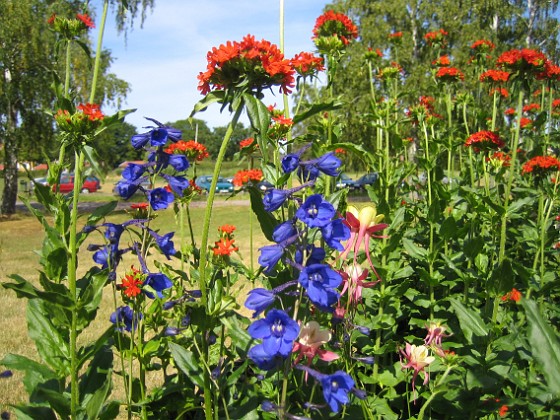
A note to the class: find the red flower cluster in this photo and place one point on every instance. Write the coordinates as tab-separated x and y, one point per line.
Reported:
442	61
450	74
192	149
225	245
395	35
255	65
92	111
425	108
307	64
514	295
541	165
372	54
483	45
245	176
335	24
499	159
526	61
500	91
132	283
530	108
497	76
86	20
390	72
435	37
484	140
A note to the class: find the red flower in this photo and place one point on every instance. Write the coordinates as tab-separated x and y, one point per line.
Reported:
541	165
140	206
395	35
86	20
500	91
132	283
442	61
523	61
256	65
514	295
525	122
192	149
483	45
243	177
435	37
450	74
499	159
224	247
92	111
335	24
509	112
494	76
307	64
484	140
503	410
227	229
51	19
529	108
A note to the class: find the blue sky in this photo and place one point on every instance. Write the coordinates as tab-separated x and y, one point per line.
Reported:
162	59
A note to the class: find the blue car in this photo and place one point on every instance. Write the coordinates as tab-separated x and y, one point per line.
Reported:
222	186
364	180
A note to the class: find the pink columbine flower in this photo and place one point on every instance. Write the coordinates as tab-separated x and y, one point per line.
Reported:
363	224
436	332
353	277
311	338
417	359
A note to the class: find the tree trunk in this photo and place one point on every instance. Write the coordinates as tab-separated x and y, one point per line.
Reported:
9	195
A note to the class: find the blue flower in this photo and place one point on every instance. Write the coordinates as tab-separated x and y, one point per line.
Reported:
158	136
259	299
320	282
125	319
127	189
160	198
315	255
262	359
315	211
133	171
165	243
334	232
157	282
329	164
162	160
336	388
179	162
290	162
308	172
283	231
278	332
270	255
177	183
273	199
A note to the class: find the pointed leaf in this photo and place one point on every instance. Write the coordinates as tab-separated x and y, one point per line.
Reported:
545	345
25	289
212	97
96	384
186	361
266	220
471	322
316	109
35	373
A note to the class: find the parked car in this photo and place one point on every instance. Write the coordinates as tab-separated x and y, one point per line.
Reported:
345	182
222	185
67	184
364	180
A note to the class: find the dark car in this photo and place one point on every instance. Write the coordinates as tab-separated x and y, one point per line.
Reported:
222	185
364	180
345	182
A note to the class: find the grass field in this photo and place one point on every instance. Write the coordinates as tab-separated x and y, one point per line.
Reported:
21	237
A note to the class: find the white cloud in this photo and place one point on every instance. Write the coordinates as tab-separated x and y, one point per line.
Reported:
162	59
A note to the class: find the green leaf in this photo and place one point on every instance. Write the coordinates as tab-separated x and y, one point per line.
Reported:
96	384
471	322
266	220
317	109
25	289
59	401
415	251
209	99
544	345
90	294
34	373
187	363
30	412
50	344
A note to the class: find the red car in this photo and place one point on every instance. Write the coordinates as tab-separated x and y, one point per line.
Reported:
91	184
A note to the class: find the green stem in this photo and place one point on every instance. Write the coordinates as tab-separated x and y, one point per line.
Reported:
208	404
98	51
67	69
72	268
429	400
